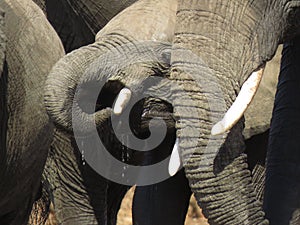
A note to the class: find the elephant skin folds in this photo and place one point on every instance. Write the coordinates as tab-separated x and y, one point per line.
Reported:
31	50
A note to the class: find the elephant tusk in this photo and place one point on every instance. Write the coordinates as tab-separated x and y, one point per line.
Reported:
122	100
175	161
241	103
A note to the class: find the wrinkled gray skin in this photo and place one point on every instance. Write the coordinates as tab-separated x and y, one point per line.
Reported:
81	196
225	167
29	47
78	21
243	35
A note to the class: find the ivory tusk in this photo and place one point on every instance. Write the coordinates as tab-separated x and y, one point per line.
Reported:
175	162
241	103
122	100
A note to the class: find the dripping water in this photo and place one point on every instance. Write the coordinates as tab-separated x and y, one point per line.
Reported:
82	153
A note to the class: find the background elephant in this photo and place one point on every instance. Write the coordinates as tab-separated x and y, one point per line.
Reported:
259	113
77	22
31	47
257	124
281	202
223	43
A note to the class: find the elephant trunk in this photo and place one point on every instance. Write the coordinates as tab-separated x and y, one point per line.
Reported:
215	165
63	84
65	77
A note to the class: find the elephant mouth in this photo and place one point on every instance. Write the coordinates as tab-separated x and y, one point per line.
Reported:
156	113
116	97
146	112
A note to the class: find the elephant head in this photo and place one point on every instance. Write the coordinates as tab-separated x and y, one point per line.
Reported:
122	58
217	46
67	73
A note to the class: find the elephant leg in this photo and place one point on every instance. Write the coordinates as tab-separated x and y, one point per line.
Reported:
256	149
164	203
282	191
79	193
41	207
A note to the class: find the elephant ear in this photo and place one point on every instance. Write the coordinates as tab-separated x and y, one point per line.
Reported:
2	41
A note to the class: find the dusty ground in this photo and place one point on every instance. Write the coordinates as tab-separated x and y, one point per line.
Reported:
194	216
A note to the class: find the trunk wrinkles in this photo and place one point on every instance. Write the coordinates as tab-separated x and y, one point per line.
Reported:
58	101
215	166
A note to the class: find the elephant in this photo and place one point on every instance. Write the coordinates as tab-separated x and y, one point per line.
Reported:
29	48
282	173
244	35
77	22
204	87
82	196
256	131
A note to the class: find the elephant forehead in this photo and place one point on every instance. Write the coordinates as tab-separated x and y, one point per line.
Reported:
150	23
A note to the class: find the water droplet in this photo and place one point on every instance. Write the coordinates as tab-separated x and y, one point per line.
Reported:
82	157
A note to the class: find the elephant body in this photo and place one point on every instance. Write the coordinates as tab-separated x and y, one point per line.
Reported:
281	200
31	48
77	22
